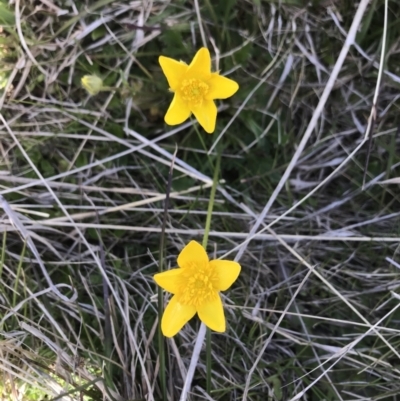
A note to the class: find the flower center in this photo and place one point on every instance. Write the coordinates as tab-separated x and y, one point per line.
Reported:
198	284
193	91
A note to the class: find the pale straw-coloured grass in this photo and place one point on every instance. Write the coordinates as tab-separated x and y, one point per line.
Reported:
314	313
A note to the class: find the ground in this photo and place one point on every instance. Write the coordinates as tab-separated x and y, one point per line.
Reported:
306	199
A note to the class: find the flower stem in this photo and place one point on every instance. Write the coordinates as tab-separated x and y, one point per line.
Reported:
202	331
161	348
208	361
161	343
205	240
211	201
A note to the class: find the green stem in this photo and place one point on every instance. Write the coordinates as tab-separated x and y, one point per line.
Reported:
208	361
161	343
205	240
161	352
211	202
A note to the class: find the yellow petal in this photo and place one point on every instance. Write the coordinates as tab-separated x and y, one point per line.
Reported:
228	271
212	315
168	280
177	112
173	70
193	252
92	83
206	115
221	87
175	317
200	67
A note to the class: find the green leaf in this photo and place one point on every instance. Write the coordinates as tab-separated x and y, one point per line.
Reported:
7	17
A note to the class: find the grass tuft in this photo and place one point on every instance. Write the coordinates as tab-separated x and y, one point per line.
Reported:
308	205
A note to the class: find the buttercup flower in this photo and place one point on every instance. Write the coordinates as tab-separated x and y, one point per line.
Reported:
195	88
92	83
195	286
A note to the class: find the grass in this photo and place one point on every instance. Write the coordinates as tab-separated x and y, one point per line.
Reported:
314	314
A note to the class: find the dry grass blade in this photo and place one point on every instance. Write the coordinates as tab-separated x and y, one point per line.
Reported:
314	313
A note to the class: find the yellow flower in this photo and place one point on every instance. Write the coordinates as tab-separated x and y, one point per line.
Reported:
195	88
92	83
195	286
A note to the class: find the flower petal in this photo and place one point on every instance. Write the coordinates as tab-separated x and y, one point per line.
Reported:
193	252
206	115
177	112
212	315
173	70
200	67
175	317
228	271
168	280
221	87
